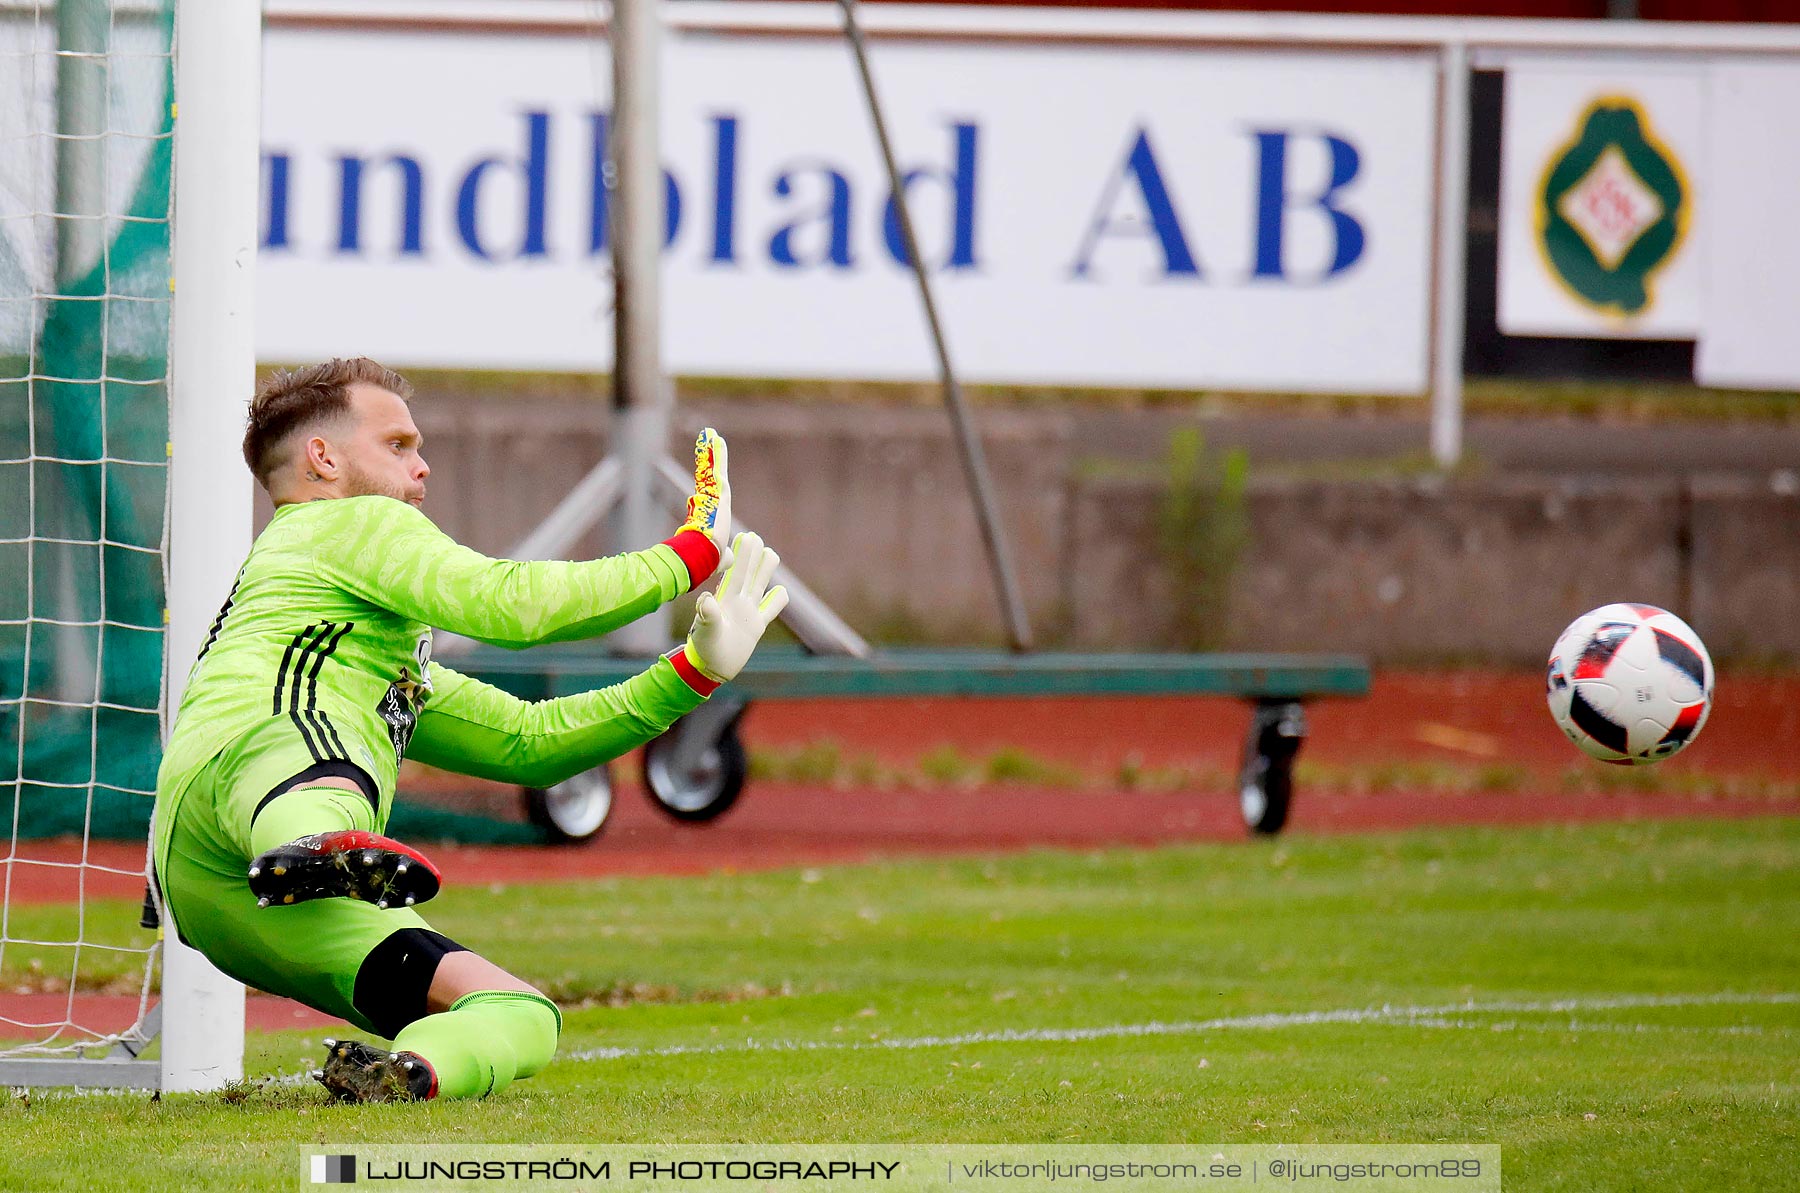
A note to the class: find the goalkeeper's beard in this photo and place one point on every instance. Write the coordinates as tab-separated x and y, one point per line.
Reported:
365	484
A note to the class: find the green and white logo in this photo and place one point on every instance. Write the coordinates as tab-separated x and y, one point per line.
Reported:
1612	208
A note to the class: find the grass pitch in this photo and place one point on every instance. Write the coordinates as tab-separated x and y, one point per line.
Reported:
1616	1006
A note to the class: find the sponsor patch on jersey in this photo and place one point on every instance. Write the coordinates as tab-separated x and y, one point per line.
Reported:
397	710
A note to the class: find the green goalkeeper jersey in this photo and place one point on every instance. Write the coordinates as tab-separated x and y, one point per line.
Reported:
329	629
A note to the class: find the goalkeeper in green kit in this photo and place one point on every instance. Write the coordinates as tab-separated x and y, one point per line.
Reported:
316	679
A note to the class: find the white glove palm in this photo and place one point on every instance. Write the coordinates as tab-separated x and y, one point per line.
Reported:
728	626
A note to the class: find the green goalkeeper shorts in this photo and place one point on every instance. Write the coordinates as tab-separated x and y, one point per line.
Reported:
310	952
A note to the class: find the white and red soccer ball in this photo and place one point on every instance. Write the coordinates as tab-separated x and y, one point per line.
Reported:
1630	684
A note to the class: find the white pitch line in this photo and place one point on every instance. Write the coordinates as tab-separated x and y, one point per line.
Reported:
1384	1014
1576	1025
1431	1017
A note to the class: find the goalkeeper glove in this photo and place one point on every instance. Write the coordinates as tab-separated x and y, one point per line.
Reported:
701	540
728	626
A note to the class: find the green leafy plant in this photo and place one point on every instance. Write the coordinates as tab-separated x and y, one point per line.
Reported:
1202	530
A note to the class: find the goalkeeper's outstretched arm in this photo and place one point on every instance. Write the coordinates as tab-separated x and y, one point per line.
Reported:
475	729
401	561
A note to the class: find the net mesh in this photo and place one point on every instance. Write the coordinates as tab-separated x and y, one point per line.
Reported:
85	155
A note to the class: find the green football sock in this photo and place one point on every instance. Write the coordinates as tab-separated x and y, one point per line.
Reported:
485	1041
304	811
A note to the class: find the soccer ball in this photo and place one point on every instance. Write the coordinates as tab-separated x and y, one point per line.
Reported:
1630	684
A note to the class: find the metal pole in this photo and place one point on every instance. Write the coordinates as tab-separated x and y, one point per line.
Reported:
83	37
1012	607
638	462
1452	231
218	45
640	393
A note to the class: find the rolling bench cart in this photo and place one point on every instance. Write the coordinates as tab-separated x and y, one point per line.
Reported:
697	770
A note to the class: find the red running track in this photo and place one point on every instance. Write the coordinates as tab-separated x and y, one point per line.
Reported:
1454	719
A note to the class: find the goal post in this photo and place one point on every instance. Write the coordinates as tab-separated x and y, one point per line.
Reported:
218	112
129	168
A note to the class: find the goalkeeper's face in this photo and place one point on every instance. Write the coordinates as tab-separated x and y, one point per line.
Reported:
381	454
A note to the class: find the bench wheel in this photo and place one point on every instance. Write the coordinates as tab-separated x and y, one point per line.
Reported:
573	810
1266	780
696	770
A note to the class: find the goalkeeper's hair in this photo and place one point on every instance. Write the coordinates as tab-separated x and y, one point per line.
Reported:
293	400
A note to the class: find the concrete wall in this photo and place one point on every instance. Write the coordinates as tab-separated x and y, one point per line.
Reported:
1486	569
1470	571
1746	569
869	504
